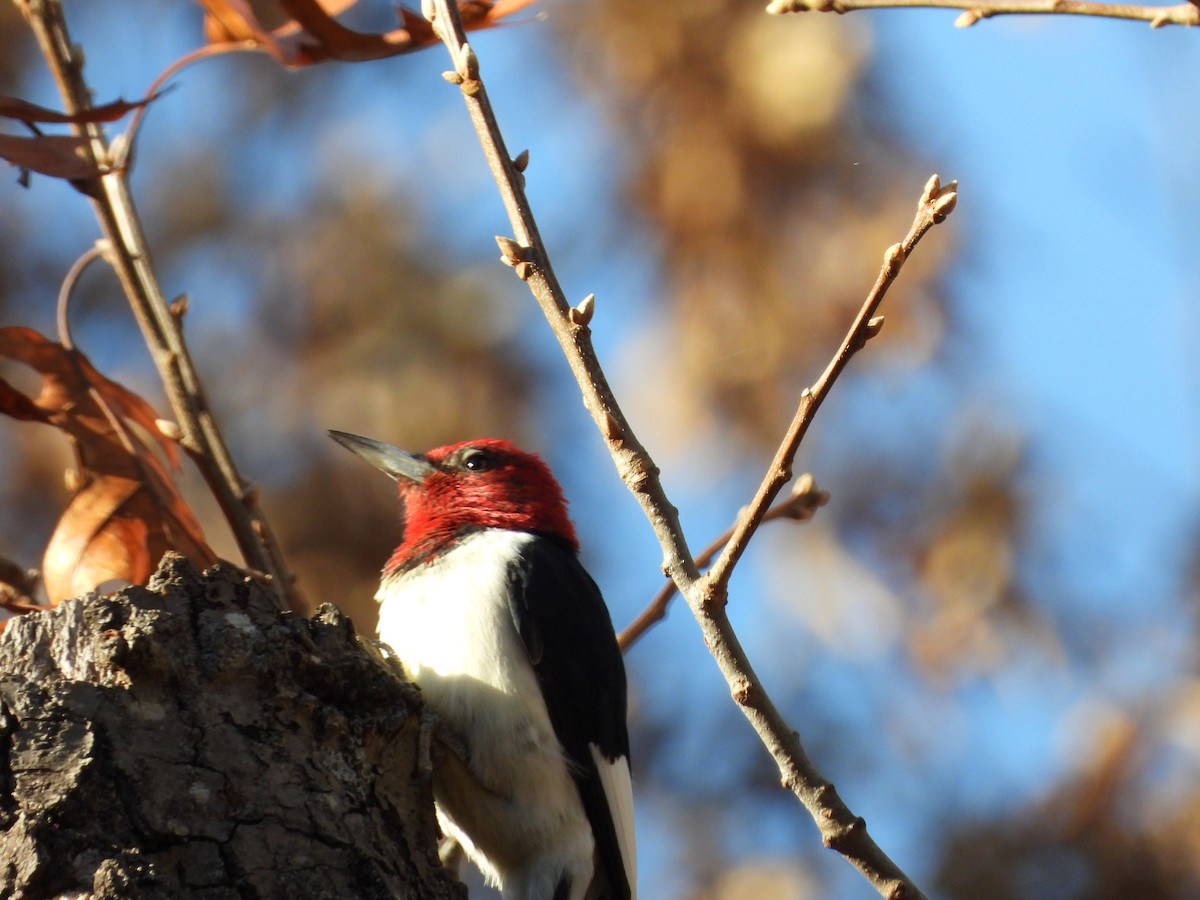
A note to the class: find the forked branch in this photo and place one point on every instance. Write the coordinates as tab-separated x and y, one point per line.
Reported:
806	498
936	203
840	828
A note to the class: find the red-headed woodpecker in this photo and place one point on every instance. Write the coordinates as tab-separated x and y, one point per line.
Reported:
489	610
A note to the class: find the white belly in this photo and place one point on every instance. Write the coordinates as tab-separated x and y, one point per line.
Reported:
512	804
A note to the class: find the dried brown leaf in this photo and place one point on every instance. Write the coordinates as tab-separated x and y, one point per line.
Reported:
230	20
477	15
117	529
97	540
15	404
233	22
127	511
334	40
59	156
13	108
314	35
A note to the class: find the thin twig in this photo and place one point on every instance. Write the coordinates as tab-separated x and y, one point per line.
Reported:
129	136
1186	14
806	498
840	828
95	252
935	204
130	257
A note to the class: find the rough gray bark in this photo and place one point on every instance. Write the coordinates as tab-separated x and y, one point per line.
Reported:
186	740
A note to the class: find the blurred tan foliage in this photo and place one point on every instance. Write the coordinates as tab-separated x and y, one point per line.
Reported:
973	617
755	879
1124	823
397	344
774	198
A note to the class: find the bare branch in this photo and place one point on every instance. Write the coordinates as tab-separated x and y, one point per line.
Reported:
1186	14
806	498
130	257
840	828
527	254
936	203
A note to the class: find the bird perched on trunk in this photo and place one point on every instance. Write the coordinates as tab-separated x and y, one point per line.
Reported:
488	608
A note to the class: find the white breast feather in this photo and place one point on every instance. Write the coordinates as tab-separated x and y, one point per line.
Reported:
516	812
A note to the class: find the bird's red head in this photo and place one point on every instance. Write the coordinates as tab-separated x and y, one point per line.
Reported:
476	484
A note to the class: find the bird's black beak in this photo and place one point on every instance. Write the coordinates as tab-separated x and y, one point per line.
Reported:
390	460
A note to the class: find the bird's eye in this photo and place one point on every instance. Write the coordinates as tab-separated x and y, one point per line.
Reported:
475	460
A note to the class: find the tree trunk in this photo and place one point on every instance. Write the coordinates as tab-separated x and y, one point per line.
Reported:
187	740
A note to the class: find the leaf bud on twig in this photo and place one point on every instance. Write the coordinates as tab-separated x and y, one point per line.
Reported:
893	258
467	63
612	428
932	186
742	691
581	315
945	204
511	252
116	150
804	484
168	429
806	498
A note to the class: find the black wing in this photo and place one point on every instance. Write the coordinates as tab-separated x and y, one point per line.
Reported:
568	634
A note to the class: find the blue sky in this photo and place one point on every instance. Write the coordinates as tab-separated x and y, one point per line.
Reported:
1078	217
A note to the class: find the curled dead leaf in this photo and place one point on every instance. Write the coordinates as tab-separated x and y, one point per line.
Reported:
126	511
117	529
314	35
59	156
24	111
